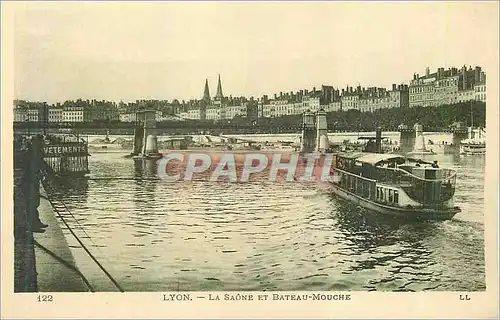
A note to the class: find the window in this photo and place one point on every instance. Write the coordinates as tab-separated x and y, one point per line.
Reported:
396	196
391	195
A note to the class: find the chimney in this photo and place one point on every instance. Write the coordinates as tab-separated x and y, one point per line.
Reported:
427	71
275	96
393	87
281	94
306	92
314	89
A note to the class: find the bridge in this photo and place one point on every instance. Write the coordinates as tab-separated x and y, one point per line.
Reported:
170	127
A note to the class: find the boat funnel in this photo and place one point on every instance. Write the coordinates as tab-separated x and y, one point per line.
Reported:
378	140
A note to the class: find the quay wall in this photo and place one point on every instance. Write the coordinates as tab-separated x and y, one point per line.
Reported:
24	254
55	263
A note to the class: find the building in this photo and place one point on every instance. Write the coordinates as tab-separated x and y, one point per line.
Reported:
292	103
399	96
241	108
32	115
103	111
235	111
206	108
422	92
333	106
349	99
372	98
214	113
76	114
446	86
480	87
20	115
466	95
128	117
169	118
56	115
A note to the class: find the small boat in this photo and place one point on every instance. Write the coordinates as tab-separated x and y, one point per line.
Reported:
395	185
475	144
473	147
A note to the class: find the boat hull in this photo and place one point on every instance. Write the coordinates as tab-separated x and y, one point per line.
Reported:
398	212
466	150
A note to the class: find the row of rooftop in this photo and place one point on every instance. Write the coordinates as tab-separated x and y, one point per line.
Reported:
465	79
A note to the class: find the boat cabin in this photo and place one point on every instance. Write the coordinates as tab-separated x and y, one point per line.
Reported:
383	177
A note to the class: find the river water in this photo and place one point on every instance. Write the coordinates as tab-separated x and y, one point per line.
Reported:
204	236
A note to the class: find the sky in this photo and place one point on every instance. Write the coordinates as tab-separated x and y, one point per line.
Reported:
165	50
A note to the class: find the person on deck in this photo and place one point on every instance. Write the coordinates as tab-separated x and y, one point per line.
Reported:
435	164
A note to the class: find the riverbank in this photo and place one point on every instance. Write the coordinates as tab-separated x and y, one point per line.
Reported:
42	261
25	278
55	264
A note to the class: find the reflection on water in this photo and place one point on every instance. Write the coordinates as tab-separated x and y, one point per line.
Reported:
158	236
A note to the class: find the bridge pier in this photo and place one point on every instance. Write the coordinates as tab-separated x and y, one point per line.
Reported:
138	134
308	143
322	142
145	140
459	134
406	138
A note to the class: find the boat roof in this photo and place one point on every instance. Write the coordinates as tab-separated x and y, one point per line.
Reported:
371	158
350	155
374	158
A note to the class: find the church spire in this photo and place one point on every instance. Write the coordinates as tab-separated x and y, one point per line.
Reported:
219	94
206	93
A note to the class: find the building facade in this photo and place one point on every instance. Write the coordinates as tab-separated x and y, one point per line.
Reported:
20	115
32	115
446	86
56	114
76	114
128	117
